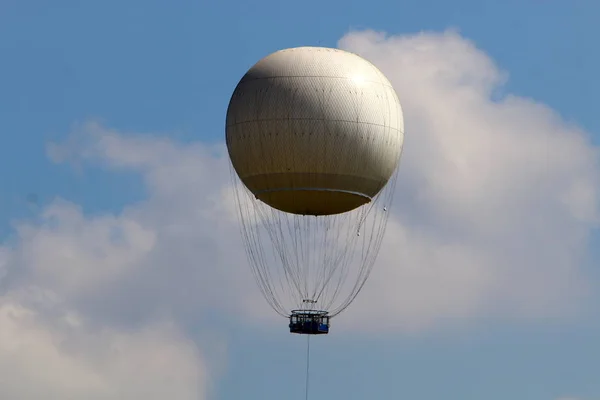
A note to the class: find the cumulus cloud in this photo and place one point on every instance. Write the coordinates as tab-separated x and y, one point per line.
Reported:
185	254
43	358
102	306
497	198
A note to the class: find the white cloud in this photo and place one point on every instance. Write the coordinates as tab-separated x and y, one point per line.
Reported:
63	358
84	298
176	253
497	198
74	254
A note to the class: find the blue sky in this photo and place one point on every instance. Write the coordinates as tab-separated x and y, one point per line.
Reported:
165	71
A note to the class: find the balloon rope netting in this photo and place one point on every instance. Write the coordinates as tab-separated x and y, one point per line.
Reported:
308	262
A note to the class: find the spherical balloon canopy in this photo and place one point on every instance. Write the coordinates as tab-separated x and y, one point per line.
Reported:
314	131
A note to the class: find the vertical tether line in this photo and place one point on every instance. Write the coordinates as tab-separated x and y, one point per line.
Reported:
307	363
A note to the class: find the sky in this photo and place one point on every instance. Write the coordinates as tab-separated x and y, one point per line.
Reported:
122	274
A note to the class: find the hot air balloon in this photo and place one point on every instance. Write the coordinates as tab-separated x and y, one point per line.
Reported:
315	137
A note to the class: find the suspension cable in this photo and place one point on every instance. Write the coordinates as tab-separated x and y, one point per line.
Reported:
307	363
